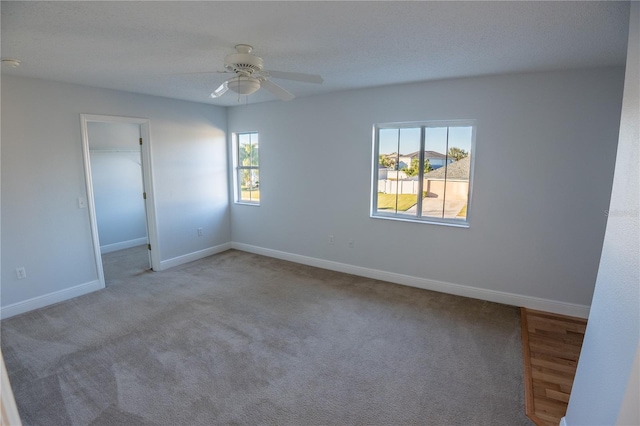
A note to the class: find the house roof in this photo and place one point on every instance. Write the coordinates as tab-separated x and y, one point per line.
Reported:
174	48
456	170
427	154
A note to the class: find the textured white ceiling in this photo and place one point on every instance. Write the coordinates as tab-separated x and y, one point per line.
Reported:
147	46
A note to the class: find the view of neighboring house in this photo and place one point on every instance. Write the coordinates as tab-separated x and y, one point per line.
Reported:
436	159
446	189
398	162
456	176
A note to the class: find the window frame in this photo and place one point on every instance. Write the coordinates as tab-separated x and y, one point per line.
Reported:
237	168
422	125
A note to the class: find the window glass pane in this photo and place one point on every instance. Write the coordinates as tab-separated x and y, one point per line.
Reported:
447	182
250	191
387	169
435	157
458	172
253	158
244	150
398	170
248	175
408	169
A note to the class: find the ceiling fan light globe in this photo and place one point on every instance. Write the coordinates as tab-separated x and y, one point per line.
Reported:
244	85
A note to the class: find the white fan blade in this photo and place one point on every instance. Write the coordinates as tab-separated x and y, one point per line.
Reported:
203	72
276	90
220	90
297	76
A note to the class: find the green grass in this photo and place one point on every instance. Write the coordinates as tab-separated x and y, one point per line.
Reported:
388	201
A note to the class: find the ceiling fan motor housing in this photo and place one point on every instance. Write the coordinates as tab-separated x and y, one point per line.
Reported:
243	61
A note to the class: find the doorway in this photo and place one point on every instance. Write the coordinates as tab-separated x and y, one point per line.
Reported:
120	196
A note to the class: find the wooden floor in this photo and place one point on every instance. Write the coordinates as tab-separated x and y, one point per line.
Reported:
551	346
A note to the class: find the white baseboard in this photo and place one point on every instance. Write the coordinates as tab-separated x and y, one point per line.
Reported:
79	290
123	245
197	255
49	299
562	308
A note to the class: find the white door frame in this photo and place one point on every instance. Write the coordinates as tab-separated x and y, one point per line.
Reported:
147	183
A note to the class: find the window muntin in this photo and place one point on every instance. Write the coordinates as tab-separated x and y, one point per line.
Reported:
431	158
247	168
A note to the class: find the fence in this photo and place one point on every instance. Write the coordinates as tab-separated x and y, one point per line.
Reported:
398	186
433	187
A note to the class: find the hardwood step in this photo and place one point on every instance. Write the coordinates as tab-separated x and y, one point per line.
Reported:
551	347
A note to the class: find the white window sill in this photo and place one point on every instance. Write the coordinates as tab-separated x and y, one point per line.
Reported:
429	221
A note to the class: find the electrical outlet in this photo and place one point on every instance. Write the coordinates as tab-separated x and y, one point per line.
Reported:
21	273
351	243
199	232
331	240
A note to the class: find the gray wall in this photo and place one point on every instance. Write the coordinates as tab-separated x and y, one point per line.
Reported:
116	172
117	186
612	339
42	177
544	160
537	221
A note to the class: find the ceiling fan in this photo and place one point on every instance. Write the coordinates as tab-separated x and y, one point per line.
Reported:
250	76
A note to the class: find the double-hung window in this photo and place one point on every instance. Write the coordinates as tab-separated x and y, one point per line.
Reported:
423	171
247	178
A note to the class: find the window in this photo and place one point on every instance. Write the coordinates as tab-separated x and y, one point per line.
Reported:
247	179
423	171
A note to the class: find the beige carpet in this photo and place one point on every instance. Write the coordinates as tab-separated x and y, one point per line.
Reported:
241	339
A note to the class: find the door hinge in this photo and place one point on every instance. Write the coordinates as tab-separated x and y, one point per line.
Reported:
149	246
144	195
140	141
